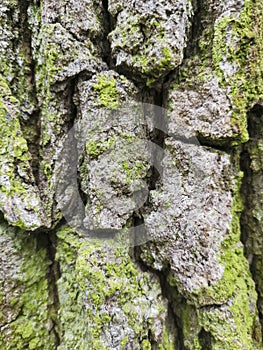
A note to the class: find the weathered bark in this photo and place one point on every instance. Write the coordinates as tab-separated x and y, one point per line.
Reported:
131	174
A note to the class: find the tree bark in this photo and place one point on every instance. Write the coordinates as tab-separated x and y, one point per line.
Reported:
131	181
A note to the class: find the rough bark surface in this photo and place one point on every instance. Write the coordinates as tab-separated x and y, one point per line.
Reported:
131	181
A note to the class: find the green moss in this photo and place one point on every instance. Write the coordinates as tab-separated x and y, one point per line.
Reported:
123	342
50	63
146	345
49	59
168	341
235	42
96	274
28	295
14	153
149	51
154	68
232	319
166	60
96	148
236	289
109	95
137	170
240	42
15	58
155	26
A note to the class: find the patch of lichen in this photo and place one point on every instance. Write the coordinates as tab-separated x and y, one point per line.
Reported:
9	35
146	47
135	170
15	55
166	60
155	68
109	95
48	57
96	148
229	49
14	152
49	63
239	43
27	297
119	150
100	289
12	143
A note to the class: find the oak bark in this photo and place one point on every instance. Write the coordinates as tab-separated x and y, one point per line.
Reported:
131	174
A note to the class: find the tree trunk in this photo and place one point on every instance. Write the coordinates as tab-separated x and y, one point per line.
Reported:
131	181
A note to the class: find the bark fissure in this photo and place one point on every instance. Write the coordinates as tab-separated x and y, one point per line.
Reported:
196	30
191	48
30	120
108	26
205	340
48	241
53	276
251	224
176	303
175	300
157	137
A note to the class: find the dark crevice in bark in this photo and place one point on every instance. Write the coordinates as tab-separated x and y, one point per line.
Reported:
156	132
72	107
211	307
205	340
31	132
137	234
108	24
252	188
73	117
157	137
30	120
219	145
25	40
66	91
70	154
155	127
53	276
175	300
48	241
202	29
196	30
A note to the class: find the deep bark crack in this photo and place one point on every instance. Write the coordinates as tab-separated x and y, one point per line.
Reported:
251	225
30	121
108	26
157	137
48	241
53	276
205	339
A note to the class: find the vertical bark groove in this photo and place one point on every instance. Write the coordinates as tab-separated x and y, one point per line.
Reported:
48	241
251	224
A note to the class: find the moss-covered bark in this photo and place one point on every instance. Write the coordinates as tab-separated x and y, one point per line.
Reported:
131	174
